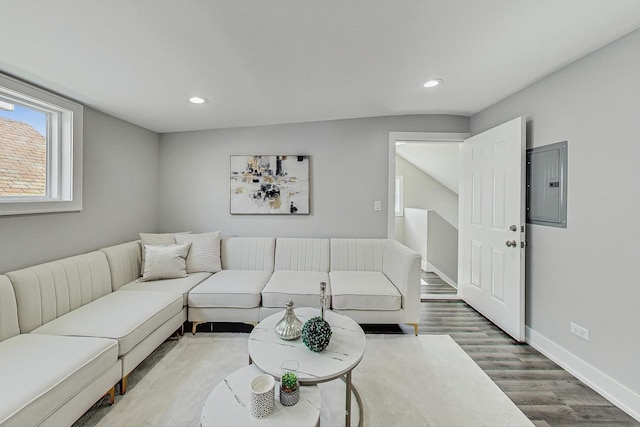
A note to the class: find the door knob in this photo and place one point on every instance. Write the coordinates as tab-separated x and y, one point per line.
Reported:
511	243
513	228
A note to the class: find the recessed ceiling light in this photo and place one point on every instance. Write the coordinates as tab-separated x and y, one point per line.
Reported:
198	100
432	83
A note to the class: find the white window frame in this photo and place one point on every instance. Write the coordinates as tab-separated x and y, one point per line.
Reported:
64	151
399	202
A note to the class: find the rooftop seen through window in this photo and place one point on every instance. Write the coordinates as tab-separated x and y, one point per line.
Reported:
23	150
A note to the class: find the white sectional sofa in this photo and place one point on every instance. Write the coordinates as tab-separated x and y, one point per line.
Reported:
72	329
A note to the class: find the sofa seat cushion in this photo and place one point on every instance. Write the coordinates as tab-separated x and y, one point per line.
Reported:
42	372
303	287
363	290
230	288
182	285
128	317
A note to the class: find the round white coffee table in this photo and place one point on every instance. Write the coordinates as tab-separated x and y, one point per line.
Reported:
345	350
228	404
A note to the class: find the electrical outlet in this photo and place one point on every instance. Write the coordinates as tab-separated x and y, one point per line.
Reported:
579	331
377	205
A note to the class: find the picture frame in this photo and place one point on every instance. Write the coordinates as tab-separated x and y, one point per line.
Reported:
269	185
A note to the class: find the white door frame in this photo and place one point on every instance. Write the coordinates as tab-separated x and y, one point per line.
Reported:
420	137
427	137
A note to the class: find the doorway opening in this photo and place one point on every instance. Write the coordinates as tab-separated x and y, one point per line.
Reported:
426	165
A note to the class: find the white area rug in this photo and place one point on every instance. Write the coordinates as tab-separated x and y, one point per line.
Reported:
403	380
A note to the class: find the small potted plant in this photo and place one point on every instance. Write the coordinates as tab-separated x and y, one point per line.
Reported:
289	384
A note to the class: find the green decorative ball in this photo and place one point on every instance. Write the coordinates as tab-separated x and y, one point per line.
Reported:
316	334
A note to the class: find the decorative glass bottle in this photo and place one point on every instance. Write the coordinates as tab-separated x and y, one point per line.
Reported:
290	327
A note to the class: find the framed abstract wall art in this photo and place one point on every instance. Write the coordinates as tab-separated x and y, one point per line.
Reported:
269	185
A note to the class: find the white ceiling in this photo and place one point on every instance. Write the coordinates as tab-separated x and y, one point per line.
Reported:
438	160
284	61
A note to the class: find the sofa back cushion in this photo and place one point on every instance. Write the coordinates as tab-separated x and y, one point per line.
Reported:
297	254
47	291
124	263
204	254
247	253
357	254
8	310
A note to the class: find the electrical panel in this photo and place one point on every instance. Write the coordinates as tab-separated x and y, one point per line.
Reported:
547	185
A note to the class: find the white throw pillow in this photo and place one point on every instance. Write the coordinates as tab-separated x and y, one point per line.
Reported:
156	239
164	262
204	254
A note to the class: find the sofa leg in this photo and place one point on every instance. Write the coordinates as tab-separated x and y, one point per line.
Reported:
193	327
177	334
415	327
123	384
112	395
182	330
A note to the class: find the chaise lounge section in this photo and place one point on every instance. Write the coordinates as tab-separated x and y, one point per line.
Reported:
56	378
74	297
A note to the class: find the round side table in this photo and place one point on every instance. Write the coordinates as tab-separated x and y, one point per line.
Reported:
342	355
228	404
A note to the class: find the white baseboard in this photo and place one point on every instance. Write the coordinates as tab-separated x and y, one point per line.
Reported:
610	389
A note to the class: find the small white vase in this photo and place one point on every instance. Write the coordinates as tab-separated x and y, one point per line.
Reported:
262	396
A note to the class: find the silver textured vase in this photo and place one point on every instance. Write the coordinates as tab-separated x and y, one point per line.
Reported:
290	327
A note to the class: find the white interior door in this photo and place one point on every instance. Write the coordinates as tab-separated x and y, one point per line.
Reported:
491	219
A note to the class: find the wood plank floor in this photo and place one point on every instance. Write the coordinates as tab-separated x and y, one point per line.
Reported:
435	285
543	391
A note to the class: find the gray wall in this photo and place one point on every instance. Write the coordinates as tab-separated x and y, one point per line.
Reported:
423	192
587	273
348	172
120	199
442	245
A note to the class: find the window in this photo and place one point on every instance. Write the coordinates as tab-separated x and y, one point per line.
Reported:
399	196
40	150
